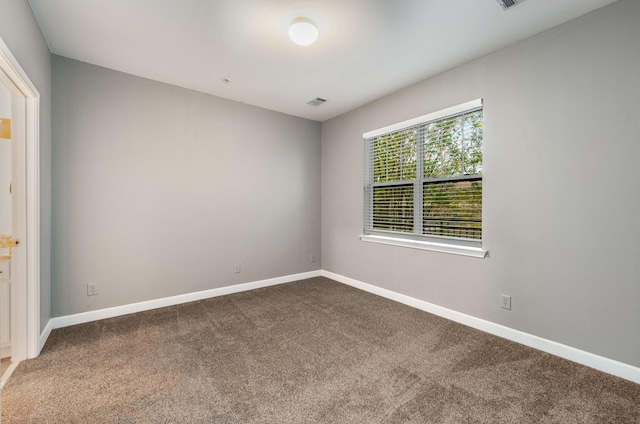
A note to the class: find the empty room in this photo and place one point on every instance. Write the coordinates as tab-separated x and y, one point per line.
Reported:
320	211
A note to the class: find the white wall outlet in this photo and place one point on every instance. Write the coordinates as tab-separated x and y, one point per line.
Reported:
505	301
312	258
92	289
237	269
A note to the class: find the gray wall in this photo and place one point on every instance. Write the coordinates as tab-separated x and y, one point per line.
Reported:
20	32
561	201
159	190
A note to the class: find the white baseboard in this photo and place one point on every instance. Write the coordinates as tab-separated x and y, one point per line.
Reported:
610	366
7	374
44	335
84	317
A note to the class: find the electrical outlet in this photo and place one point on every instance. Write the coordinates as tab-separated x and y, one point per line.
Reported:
505	302
92	289
237	269
312	258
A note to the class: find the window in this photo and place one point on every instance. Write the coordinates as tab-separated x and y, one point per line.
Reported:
423	182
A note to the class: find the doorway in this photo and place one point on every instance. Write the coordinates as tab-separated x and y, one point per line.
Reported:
24	237
5	229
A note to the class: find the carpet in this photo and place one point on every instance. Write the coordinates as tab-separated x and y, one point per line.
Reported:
312	351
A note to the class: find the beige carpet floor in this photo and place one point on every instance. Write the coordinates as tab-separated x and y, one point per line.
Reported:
313	351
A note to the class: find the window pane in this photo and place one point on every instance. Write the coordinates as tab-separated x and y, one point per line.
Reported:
393	208
453	146
453	209
442	152
394	156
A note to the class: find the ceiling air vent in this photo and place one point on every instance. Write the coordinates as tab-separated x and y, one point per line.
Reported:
317	101
508	4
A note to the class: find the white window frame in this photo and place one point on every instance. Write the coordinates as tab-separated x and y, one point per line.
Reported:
458	246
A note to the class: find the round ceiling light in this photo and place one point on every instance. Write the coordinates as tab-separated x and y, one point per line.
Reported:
303	31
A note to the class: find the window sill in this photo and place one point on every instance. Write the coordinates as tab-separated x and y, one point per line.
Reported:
474	252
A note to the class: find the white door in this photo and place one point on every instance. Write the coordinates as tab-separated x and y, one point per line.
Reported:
5	224
5	161
5	184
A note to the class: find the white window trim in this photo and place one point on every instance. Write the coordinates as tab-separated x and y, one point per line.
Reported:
455	249
452	248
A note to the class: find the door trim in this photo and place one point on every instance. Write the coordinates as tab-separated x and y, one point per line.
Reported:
25	119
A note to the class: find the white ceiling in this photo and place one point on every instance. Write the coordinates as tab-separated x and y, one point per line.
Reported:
367	48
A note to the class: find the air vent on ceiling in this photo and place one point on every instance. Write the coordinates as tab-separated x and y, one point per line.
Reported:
317	101
507	4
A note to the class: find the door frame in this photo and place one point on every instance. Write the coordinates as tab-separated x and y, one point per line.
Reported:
25	263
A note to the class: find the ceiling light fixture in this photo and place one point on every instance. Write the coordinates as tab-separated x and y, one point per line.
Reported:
303	31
